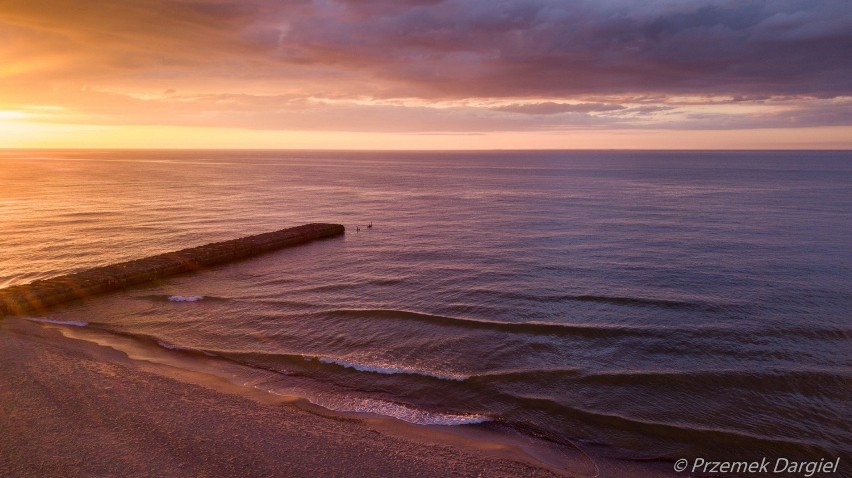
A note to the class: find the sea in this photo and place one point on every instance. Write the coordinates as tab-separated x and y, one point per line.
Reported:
637	305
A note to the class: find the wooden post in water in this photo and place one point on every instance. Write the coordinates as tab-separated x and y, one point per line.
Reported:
39	295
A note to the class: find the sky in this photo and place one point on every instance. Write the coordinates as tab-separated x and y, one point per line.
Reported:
426	74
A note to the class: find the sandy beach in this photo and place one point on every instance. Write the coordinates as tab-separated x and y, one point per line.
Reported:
72	408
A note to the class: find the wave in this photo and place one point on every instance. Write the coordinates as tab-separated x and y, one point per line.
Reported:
353	284
342	403
798	380
699	376
147	339
185	298
170	346
775	379
641	301
181	298
708	332
614	300
385	369
536	328
687	433
267	360
809	383
73	323
407	413
263	360
813	333
511	375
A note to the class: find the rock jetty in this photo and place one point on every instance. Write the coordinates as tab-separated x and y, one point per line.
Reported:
40	295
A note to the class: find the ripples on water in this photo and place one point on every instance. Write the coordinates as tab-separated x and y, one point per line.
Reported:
645	305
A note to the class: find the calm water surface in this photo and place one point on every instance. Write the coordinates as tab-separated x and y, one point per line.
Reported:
641	305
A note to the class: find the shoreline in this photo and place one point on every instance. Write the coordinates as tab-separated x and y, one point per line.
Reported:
77	407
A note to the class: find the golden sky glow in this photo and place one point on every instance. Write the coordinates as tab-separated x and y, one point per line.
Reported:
423	74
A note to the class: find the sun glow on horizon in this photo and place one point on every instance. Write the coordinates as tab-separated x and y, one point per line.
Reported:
39	135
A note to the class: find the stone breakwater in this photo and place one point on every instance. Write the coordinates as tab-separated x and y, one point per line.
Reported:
39	295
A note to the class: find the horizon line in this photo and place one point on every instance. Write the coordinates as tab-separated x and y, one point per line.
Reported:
423	150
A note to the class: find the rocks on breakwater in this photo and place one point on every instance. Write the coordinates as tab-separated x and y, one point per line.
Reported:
39	295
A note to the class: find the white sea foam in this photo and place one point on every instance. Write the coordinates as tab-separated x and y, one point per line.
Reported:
75	323
402	412
169	346
391	370
185	298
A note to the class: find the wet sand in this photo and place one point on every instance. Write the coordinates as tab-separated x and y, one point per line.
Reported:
72	408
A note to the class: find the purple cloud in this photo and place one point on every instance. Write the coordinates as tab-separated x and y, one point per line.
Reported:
548	47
